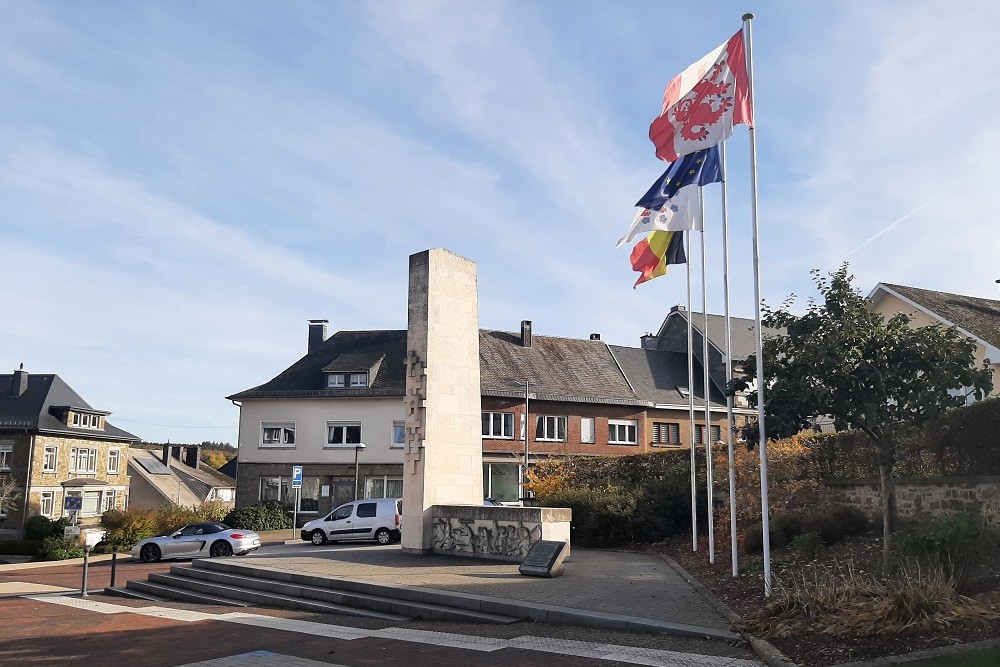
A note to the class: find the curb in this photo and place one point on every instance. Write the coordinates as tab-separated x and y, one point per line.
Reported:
764	649
902	659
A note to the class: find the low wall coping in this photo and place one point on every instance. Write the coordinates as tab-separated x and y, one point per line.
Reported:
924	481
496	513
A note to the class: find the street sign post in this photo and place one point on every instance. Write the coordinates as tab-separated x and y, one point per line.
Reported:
297	485
73	505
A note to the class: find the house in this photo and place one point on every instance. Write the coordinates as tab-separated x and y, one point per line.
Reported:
975	317
54	445
175	474
342	404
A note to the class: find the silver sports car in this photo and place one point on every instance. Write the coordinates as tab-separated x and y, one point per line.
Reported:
196	540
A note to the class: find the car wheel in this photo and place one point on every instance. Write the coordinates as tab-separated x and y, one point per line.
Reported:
220	549
382	536
150	553
317	537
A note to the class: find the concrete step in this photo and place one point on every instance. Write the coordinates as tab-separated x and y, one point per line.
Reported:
474	608
134	594
329	593
244	591
164	591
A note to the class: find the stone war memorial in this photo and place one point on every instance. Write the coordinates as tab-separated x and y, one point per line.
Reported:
443	508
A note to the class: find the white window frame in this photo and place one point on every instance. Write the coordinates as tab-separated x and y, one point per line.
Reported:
331	428
592	437
108	500
83	460
89	496
398	440
359	380
283	441
49	496
383	480
6	454
50	459
280	483
335	381
116	455
506	424
549	427
623	431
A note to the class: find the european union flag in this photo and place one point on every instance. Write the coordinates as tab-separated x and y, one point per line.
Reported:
698	168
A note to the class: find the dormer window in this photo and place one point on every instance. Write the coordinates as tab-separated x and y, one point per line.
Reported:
85	420
347	380
683	391
359	380
335	380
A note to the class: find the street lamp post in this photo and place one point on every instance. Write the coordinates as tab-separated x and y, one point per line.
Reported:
526	427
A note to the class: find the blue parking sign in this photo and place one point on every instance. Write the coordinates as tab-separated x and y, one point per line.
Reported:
73	503
296	477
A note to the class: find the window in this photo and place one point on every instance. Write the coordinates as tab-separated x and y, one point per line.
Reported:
398	435
114	458
622	431
274	488
383	486
83	420
335	381
6	450
309	494
277	434
699	433
91	503
550	428
666	433
587	430
366	510
359	380
49	462
683	391
82	460
498	425
502	481
108	503
343	433
342	512
47	503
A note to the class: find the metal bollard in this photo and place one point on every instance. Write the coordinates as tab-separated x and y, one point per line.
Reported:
114	563
86	564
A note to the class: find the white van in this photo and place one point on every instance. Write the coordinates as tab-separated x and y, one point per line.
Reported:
376	519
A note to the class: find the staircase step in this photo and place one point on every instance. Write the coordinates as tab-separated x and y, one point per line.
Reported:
245	592
135	594
167	592
331	594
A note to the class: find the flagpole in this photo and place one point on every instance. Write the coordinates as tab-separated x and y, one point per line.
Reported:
729	366
762	431
706	432
690	365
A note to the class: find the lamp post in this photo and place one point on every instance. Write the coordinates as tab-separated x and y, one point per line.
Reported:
526	427
357	448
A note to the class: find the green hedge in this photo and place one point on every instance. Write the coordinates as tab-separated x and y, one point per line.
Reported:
264	516
19	547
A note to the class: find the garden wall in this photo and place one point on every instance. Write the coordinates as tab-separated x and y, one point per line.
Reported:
921	499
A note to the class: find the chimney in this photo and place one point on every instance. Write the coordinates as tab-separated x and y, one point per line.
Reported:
175	451
595	336
166	455
678	309
191	453
648	341
525	333
19	382
317	333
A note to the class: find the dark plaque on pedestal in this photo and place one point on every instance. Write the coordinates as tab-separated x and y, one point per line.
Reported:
544	559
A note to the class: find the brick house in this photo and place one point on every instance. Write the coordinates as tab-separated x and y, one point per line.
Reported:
53	444
584	397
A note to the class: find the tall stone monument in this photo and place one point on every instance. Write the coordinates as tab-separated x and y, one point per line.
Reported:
444	449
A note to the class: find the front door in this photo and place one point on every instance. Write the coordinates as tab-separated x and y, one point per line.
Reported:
343	492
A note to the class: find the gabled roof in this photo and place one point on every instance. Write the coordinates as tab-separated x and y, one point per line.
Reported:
32	410
977	316
742	332
307	376
192	486
657	376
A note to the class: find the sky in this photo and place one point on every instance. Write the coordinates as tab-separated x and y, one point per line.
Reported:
184	185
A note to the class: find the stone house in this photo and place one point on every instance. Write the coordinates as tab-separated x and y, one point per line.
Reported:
54	445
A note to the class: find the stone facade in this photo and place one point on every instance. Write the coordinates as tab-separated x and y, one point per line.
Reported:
921	499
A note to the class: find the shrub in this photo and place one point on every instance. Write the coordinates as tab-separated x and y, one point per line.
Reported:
171	517
38	528
19	547
789	525
807	545
852	520
962	547
57	548
125	528
213	510
753	539
269	515
601	518
823	524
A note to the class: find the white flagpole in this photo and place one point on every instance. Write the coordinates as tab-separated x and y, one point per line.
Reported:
690	363
706	433
762	431
729	366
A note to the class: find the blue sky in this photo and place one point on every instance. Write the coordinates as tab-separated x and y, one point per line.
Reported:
184	185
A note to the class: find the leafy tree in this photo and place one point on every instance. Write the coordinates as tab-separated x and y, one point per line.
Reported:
876	375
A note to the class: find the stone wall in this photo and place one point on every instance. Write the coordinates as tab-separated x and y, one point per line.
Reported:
497	533
921	499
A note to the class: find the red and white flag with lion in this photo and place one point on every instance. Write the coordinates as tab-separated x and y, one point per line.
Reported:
703	103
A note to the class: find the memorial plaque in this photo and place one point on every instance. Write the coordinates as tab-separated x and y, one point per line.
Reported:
544	559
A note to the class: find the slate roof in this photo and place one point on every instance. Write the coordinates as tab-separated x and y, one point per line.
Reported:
978	316
195	484
557	369
31	410
742	333
307	376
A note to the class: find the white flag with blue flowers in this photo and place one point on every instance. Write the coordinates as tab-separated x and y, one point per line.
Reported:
680	212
